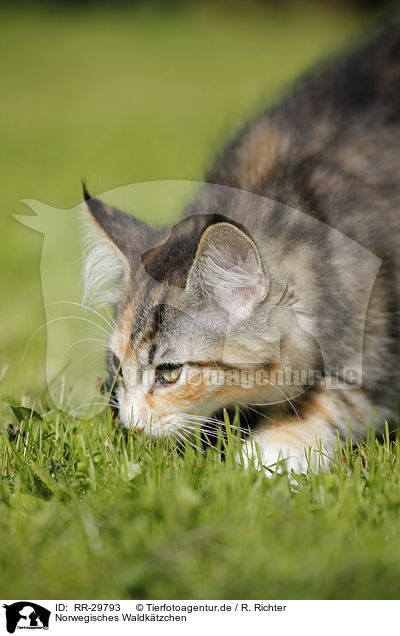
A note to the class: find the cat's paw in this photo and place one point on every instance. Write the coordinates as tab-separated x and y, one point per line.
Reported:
272	458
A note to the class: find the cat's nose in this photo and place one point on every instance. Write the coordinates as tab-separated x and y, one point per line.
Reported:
138	429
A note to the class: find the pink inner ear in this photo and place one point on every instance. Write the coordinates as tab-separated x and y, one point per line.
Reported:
232	273
241	254
239	302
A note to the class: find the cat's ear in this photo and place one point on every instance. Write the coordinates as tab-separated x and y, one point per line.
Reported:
113	244
228	270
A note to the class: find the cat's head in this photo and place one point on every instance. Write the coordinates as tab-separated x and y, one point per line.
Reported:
194	328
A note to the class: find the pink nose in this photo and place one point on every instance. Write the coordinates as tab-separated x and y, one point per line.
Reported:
138	429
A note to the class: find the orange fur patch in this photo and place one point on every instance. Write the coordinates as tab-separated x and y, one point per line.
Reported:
263	146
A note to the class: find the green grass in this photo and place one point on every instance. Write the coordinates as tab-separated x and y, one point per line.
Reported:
87	511
121	97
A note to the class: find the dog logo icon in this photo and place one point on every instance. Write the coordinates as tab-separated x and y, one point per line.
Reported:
26	615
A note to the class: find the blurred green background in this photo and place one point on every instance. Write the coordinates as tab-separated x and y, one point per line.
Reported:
126	92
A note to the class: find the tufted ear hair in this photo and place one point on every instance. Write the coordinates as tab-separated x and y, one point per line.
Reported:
228	269
113	243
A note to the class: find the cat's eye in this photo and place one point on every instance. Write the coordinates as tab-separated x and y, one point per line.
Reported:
168	373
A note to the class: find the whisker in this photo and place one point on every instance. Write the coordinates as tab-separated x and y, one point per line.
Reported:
111	324
87	404
191	420
178	441
49	322
241	412
201	450
287	399
283	295
182	441
201	418
205	424
203	441
278	401
221	425
92	352
83	340
267	417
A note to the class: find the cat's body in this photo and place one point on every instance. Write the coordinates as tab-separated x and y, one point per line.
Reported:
245	283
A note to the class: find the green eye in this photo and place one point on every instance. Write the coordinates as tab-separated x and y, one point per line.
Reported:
168	373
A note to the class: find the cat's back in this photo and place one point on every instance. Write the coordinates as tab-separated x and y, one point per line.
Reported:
331	147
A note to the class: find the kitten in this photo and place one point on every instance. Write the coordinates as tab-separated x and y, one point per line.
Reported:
245	287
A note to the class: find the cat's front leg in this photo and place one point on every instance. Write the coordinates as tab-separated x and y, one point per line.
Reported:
309	437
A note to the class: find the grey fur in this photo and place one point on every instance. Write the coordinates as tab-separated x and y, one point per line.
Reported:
322	163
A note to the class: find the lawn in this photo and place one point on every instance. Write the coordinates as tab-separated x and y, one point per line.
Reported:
87	510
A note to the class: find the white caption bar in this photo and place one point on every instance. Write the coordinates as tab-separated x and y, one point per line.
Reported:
177	617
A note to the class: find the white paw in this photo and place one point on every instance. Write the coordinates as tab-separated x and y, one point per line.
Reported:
273	458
